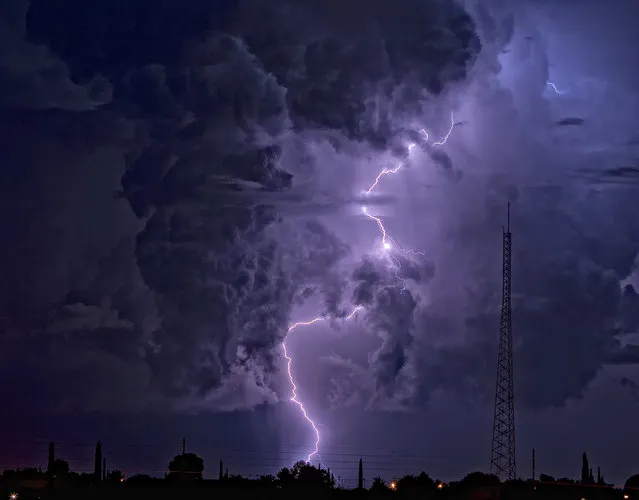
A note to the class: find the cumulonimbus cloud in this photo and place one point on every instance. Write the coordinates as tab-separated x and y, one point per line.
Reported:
235	114
219	272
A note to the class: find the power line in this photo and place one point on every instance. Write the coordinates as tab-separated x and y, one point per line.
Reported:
230	451
162	469
252	458
252	462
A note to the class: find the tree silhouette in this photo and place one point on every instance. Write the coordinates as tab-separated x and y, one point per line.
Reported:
60	468
285	477
585	469
423	482
478	480
566	480
632	482
140	479
303	474
115	477
379	485
185	467
267	480
22	474
83	480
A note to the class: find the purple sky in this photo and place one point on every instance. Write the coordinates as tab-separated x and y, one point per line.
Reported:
180	185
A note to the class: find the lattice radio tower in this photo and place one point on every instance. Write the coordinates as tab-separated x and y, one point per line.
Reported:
502	456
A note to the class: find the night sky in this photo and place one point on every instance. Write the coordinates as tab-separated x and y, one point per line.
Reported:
181	181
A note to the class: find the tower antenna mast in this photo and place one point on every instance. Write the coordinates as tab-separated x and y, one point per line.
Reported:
502	456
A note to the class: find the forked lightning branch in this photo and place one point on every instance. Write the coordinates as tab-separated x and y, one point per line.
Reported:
389	246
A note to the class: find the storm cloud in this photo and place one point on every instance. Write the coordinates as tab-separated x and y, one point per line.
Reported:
215	138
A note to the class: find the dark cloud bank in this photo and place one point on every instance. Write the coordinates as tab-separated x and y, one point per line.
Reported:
143	269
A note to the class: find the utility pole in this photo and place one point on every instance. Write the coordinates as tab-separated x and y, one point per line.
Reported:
97	473
51	462
502	457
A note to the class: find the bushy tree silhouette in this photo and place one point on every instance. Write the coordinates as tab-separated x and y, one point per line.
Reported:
140	480
22	474
423	483
115	477
267	480
185	467
632	482
303	474
285	477
379	485
479	480
60	468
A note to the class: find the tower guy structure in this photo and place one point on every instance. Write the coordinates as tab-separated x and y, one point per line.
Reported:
502	456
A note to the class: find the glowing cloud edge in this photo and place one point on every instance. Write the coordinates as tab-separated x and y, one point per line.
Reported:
388	244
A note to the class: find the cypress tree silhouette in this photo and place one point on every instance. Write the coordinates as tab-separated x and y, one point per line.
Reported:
598	475
97	473
360	476
221	476
585	469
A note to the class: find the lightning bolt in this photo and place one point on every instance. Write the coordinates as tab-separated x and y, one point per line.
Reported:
289	361
555	89
441	142
388	244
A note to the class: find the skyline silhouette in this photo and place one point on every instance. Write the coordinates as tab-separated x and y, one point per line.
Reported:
188	465
183	477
